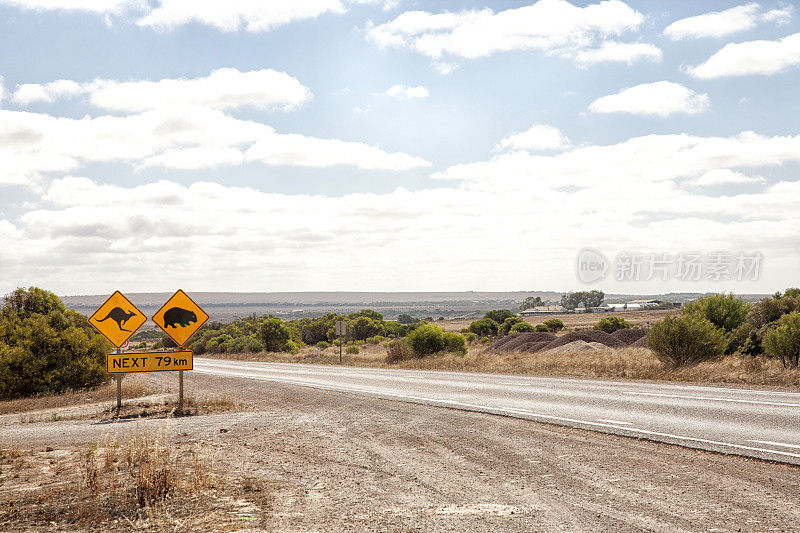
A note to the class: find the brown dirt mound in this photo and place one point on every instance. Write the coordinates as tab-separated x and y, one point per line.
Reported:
504	340
588	336
532	347
522	338
629	335
639	342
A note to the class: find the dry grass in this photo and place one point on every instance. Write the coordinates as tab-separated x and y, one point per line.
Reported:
107	391
622	363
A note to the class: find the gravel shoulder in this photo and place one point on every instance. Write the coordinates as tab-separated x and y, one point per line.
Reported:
339	462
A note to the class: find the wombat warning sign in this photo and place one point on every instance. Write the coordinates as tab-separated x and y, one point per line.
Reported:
180	317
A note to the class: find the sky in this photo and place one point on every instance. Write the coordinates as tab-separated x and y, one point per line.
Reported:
397	145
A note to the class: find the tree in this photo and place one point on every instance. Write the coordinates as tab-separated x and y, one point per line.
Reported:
725	311
25	302
685	340
593	298
50	352
499	315
369	313
363	327
507	324
484	327
530	302
273	334
783	342
430	338
571	300
522	327
404	318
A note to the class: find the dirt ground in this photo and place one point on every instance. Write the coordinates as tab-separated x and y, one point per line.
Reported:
295	459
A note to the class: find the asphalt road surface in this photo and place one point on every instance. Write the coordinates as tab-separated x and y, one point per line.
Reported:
755	423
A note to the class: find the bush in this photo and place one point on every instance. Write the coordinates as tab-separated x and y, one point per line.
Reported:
430	339
554	325
322	345
753	344
469	337
522	327
541	328
610	324
364	327
292	347
499	315
454	343
398	350
783	342
426	340
377	339
484	340
484	327
47	353
725	311
686	340
273	334
254	346
351	350
507	324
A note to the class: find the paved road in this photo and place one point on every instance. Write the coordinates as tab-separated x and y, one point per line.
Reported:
763	424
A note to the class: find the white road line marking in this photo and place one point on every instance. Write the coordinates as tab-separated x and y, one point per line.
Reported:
498	410
712	398
610	421
771	443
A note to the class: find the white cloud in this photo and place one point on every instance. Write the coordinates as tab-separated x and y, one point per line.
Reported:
2	91
750	58
95	6
224	88
551	26
723	23
724	176
616	52
641	194
232	15
405	92
186	137
537	137
661	98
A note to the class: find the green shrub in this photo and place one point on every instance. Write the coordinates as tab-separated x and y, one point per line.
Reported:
291	347
469	337
363	327
499	315
351	350
398	350
522	327
484	340
541	328
484	327
426	340
254	346
686	340
725	311
47	353
753	344
322	345
507	324
554	325
377	339
454	343
783	341
273	334
610	324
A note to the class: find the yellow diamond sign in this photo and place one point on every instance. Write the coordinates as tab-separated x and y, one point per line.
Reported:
117	319
180	317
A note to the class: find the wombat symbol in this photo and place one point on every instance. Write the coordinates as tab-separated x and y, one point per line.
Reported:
176	315
119	316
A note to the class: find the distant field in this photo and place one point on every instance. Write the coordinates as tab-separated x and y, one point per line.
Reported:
576	320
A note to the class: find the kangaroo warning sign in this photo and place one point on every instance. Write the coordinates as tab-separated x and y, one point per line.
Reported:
149	362
117	319
180	317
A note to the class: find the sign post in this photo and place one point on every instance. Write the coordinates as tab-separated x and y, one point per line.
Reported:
117	320
340	330
180	318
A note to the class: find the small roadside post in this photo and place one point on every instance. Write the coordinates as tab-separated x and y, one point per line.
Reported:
341	330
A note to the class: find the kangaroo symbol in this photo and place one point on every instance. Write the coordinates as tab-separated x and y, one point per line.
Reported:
119	316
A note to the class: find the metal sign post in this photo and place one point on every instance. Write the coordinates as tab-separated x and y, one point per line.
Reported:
119	388
340	330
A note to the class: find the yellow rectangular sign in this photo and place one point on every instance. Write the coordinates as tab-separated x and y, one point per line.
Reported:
149	362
